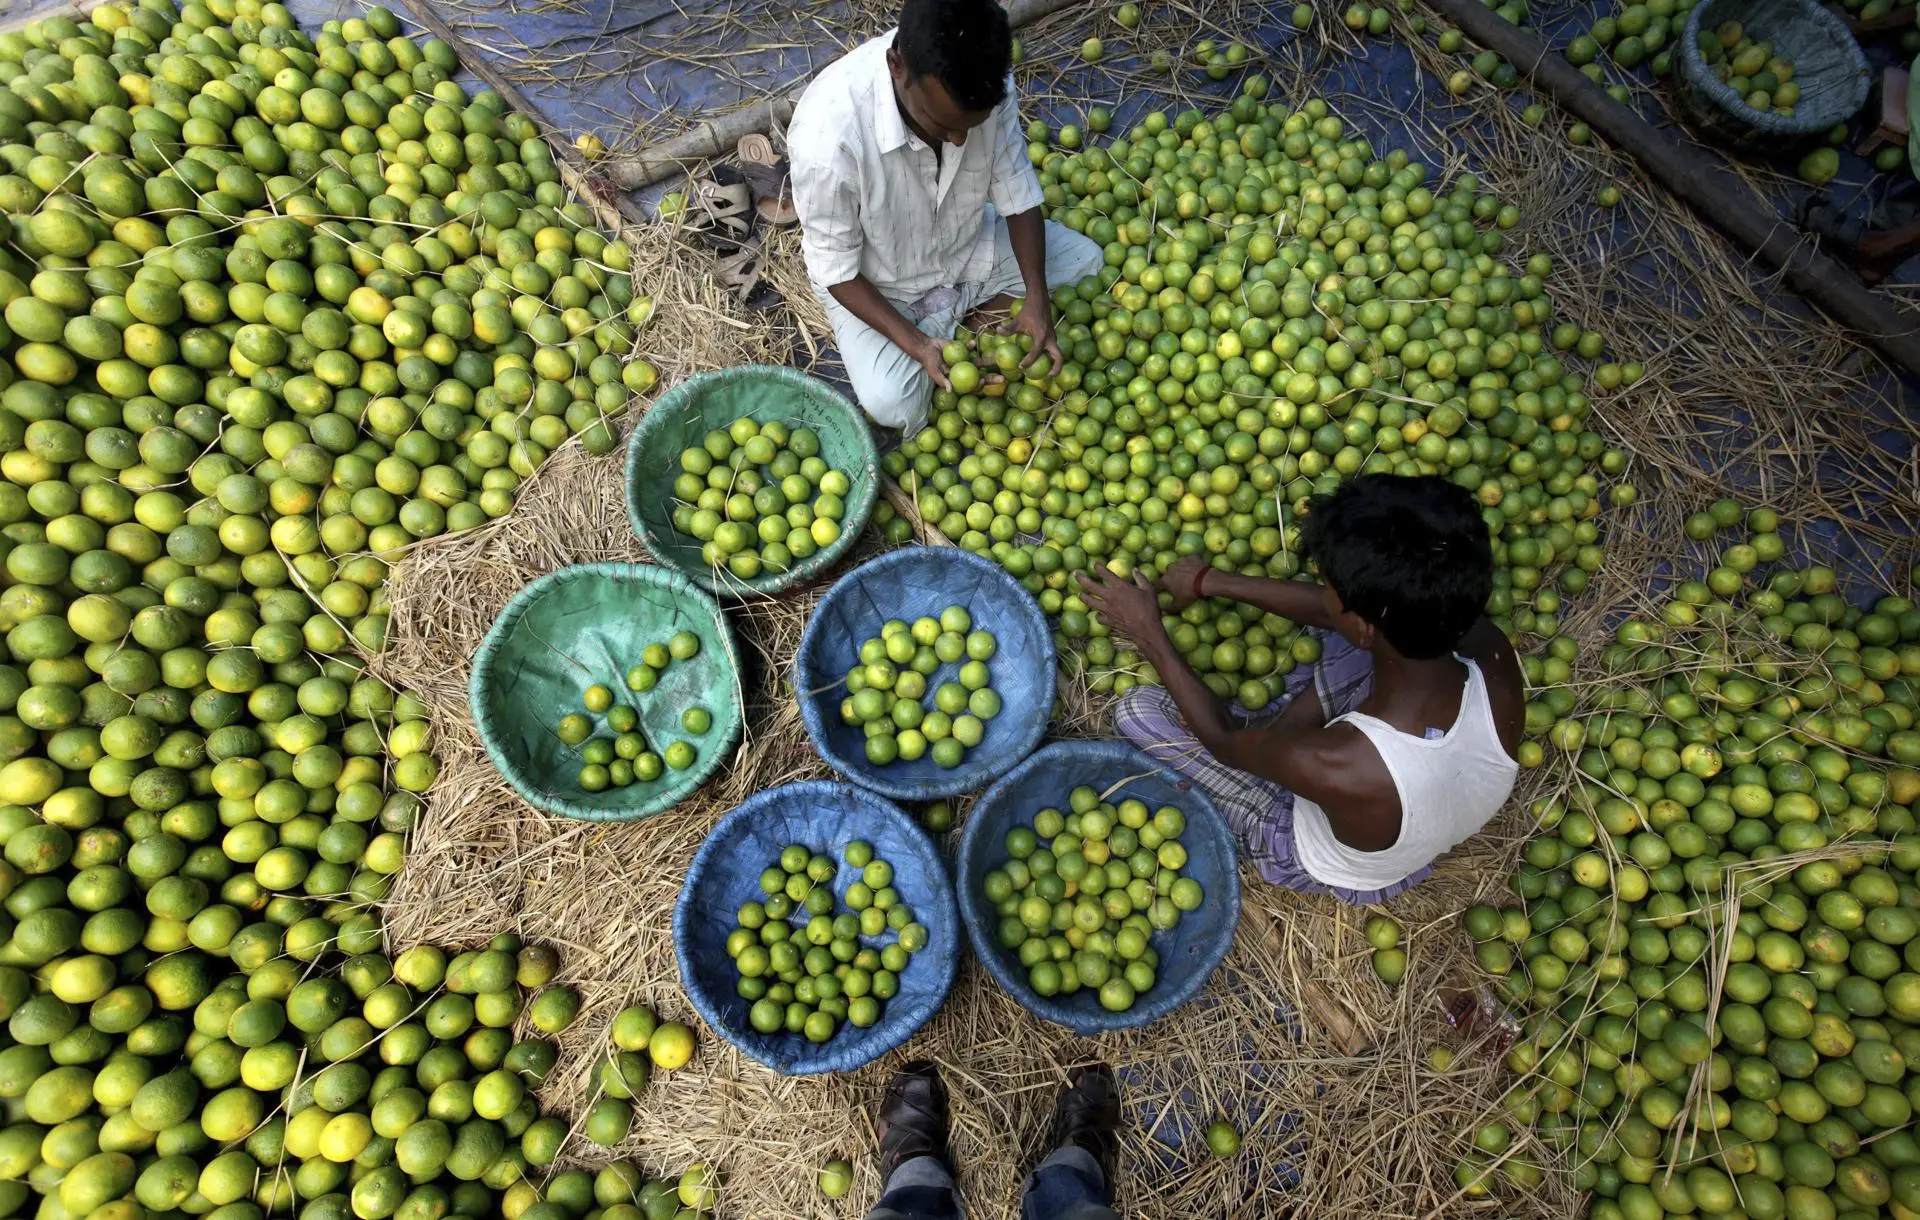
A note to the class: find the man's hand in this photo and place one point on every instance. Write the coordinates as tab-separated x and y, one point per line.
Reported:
927	350
1035	320
1128	607
1182	581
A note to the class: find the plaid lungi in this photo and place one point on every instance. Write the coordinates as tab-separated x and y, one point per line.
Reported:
1259	811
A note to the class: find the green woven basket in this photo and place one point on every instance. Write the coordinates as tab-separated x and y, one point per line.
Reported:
682	418
587	624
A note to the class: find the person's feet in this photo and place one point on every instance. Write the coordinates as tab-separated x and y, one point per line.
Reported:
1087	1116
912	1120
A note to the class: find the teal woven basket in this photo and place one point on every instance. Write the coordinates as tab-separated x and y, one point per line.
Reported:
587	624
684	415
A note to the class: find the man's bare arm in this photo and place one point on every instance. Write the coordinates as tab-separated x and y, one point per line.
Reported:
1298	600
1487	647
1028	235
1334	766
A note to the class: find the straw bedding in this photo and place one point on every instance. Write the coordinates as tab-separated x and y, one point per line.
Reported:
1320	1065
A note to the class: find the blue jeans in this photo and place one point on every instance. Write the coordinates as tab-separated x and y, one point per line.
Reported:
1066	1186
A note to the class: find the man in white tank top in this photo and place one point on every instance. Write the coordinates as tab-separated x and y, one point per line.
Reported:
1398	744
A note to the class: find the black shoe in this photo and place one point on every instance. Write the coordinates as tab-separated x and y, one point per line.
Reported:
912	1120
1087	1116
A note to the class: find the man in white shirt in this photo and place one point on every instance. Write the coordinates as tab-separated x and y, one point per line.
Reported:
918	205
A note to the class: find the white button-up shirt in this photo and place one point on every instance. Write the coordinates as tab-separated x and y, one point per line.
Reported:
873	198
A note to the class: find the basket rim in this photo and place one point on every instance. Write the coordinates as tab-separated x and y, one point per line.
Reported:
942	904
963	780
1694	74
1161	1001
691	780
859	502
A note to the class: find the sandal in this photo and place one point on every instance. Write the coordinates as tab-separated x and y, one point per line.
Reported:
723	205
770	179
1836	230
742	274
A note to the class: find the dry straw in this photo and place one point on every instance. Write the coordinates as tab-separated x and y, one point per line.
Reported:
1321	1066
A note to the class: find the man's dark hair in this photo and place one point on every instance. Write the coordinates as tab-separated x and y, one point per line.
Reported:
1410	555
966	45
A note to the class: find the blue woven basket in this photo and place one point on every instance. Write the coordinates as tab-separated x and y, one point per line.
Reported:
908	584
1188	953
825	816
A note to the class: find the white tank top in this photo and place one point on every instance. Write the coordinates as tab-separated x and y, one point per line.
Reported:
1450	786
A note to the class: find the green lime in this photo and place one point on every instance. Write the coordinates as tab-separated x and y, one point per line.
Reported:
1222	1139
1383	932
836	1177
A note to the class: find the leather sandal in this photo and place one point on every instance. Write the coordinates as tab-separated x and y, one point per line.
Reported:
770	179
723	208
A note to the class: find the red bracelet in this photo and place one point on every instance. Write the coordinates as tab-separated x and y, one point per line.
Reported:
1200	582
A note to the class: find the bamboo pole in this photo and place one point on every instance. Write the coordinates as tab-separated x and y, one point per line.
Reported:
1705	184
718	136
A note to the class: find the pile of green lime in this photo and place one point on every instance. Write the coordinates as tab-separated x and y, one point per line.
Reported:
1282	307
892	700
626	757
1081	894
758	497
275	307
312	286
1644	32
1716	944
808	960
620	1190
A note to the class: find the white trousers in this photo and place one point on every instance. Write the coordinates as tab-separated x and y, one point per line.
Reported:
890	385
